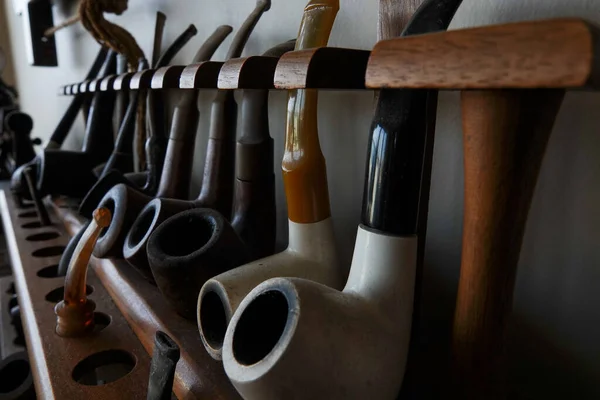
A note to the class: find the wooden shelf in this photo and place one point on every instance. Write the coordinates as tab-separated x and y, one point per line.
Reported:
142	305
558	53
52	357
136	308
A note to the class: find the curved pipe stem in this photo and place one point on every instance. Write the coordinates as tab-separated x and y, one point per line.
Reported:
127	202
307	196
75	313
504	139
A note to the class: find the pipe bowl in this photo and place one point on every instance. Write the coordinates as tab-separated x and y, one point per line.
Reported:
292	338
313	258
181	263
103	185
151	216
124	203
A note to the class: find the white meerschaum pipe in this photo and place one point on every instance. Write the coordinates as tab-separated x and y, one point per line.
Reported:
311	251
294	338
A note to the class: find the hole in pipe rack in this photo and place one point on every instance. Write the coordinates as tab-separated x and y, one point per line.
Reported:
103	367
32	225
101	321
28	214
41	237
11	289
56	295
13	374
49	251
260	327
48	272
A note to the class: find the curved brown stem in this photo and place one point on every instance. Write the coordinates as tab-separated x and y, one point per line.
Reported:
505	133
75	314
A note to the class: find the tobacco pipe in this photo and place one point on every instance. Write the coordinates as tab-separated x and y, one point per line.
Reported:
253	217
124	201
18	184
311	250
20	126
274	333
70	173
504	141
155	144
75	313
16	377
162	367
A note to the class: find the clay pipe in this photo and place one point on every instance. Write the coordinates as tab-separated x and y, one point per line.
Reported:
18	184
162	367
75	313
253	215
311	250
124	201
70	173
155	148
368	324
504	140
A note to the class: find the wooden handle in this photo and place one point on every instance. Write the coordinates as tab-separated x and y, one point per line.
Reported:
505	136
304	172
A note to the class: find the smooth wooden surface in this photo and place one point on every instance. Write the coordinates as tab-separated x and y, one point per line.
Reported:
504	136
198	376
255	72
167	77
324	67
540	54
53	358
558	53
202	75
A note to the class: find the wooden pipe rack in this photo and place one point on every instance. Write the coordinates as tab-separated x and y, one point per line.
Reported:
130	309
557	53
560	53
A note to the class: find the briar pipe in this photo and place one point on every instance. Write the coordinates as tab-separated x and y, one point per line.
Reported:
162	367
70	173
504	141
75	313
124	201
18	184
368	324
253	217
311	250
155	147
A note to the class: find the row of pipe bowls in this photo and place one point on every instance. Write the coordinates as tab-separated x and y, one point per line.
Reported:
99	368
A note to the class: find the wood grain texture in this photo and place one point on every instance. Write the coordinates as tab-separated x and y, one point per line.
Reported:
167	77
201	75
556	53
322	68
197	376
53	358
255	72
393	17
505	135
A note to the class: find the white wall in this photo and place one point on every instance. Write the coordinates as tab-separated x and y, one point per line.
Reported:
554	349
